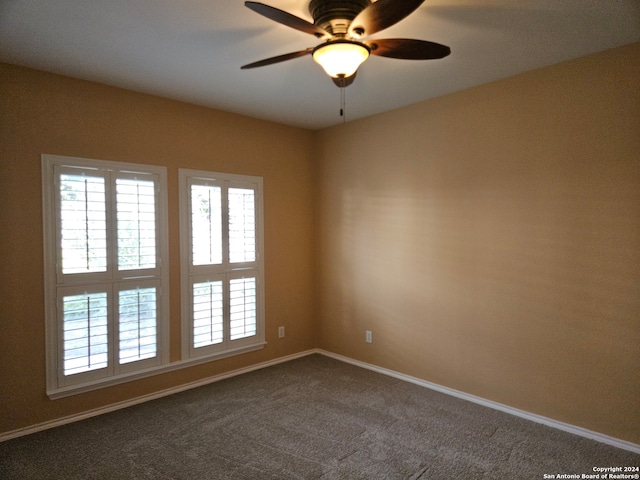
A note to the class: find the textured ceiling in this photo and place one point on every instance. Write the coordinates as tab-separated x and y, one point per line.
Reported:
192	50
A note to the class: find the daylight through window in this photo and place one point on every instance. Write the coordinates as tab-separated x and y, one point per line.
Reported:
105	232
221	262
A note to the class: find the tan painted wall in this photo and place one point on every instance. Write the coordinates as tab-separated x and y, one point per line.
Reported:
490	239
43	113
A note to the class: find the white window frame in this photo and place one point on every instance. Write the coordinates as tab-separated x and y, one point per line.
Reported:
224	271
112	281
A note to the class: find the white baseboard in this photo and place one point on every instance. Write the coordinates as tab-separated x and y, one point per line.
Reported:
145	398
583	432
566	427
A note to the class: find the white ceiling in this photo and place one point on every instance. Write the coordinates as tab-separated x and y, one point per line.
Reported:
192	50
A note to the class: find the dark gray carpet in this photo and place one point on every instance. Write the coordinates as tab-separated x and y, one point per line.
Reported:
311	418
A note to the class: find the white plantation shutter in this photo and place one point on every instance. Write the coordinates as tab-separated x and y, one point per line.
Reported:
82	222
206	224
136	218
242	225
137	322
208	313
103	223
222	269
85	326
242	307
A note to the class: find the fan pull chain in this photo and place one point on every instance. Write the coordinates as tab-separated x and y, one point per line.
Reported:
343	105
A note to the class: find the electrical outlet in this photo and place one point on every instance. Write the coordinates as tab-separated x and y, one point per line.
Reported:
368	336
280	332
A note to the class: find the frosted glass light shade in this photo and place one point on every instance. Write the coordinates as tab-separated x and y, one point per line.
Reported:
340	58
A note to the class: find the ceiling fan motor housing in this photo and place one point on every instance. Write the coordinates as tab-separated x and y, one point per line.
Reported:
335	16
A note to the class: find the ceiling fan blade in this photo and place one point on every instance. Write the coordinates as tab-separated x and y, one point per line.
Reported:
287	19
278	59
407	49
380	15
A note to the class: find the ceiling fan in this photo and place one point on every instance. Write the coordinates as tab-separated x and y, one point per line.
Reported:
342	24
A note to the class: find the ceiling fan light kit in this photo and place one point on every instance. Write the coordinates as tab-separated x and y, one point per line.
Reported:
342	24
341	58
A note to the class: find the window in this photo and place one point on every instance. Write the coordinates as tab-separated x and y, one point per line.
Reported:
222	269
105	238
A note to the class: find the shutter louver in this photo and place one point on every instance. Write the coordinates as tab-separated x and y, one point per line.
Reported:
242	305
207	313
206	224
83	225
85	332
137	324
242	225
136	218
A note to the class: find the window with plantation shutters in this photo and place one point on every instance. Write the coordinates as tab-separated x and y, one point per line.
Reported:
221	263
105	237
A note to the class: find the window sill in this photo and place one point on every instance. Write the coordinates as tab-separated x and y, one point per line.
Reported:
68	391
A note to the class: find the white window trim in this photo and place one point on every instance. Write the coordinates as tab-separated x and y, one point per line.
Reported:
56	387
189	272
